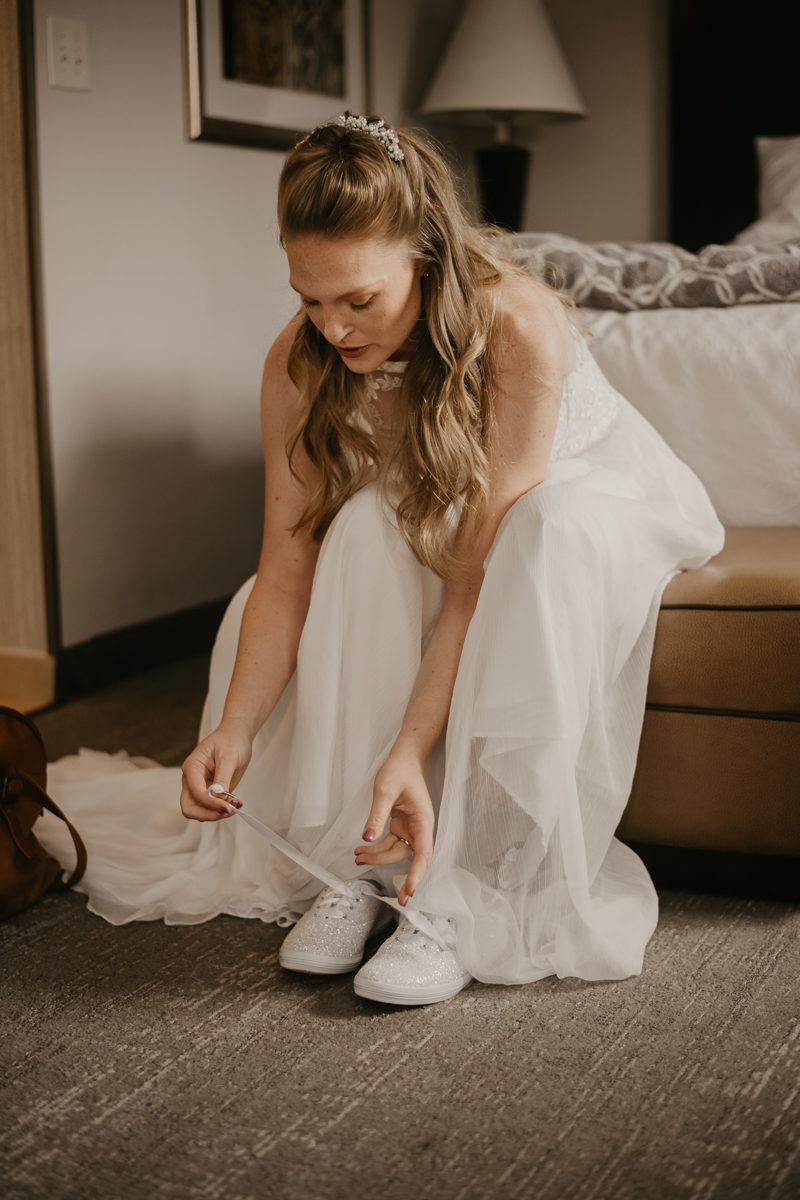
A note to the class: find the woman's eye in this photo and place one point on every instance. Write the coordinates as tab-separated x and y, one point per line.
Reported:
361	307
309	303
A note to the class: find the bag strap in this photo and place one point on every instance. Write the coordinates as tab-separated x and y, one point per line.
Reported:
51	806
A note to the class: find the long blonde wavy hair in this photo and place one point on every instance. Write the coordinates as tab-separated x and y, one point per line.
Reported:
343	184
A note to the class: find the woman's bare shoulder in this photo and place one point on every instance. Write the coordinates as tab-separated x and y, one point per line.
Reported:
531	328
280	415
279	396
276	382
278	353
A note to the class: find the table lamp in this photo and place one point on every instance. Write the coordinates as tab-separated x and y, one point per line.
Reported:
502	66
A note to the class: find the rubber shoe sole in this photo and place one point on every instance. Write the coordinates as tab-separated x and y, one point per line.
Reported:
318	964
388	993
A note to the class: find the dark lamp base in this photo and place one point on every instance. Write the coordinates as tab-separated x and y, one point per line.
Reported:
502	179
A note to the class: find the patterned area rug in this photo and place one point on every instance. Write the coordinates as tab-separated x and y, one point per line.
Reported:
184	1063
147	1061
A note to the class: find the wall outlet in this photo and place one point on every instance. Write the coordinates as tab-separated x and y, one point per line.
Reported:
68	54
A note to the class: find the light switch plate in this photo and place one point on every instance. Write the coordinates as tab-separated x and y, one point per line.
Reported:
68	54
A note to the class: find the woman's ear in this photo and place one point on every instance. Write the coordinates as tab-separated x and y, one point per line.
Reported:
422	268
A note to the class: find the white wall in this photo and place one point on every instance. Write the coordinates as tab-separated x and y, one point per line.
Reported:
163	287
164	284
605	177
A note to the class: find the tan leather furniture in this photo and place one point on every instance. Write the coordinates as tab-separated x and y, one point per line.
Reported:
719	760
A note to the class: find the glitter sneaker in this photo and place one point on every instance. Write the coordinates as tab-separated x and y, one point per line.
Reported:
330	938
412	968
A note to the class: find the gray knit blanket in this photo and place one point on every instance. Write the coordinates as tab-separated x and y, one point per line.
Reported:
631	275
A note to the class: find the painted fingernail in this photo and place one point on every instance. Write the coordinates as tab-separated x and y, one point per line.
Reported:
368	835
236	803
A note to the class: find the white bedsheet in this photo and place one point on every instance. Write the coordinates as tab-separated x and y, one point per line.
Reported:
722	386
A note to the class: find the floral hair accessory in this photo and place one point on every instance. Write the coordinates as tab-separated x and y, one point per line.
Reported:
377	129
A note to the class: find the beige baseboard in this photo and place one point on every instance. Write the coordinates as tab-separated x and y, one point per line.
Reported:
27	679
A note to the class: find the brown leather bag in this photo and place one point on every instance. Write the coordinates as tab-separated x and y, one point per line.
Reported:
27	871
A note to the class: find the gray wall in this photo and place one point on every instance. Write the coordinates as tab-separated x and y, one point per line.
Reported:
164	284
606	177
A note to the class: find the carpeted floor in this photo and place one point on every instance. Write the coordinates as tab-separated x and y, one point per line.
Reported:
147	1061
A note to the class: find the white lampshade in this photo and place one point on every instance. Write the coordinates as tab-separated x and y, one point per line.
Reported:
503	60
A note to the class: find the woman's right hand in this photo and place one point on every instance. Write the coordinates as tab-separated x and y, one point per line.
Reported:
220	758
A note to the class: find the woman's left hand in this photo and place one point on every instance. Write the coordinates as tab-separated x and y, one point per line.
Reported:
401	796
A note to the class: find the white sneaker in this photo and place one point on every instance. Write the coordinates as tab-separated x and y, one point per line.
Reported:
411	968
330	938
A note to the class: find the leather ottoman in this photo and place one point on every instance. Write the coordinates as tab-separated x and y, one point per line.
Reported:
719	760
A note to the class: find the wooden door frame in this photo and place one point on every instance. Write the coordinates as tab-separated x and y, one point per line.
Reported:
29	620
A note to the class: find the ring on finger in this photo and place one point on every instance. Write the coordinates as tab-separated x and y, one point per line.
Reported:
403	840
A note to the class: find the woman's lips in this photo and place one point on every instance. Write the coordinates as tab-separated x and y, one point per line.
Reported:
353	351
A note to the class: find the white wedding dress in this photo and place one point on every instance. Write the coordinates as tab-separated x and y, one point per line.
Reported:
536	767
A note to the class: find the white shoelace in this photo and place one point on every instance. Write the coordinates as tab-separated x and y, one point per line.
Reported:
428	926
410	935
335	902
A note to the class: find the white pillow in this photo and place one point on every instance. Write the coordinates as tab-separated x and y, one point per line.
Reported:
779	193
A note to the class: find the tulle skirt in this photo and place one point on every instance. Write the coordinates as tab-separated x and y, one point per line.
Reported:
533	773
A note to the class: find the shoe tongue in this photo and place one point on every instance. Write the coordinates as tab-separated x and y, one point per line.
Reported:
408	931
424	927
335	902
366	887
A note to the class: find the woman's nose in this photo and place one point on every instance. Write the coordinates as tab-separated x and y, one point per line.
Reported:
335	327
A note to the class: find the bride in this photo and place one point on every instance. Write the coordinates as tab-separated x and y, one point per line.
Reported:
435	684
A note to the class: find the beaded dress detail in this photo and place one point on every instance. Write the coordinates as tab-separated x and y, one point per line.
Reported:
589	407
589	404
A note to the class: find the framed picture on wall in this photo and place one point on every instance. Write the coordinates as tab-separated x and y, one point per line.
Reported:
263	72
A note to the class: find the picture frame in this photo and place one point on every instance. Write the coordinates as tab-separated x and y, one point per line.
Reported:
235	111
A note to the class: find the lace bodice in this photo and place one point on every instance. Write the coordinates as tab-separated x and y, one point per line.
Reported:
387	378
589	404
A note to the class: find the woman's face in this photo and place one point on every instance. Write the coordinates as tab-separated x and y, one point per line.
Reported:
364	297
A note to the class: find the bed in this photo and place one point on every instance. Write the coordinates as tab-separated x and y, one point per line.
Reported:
722	387
706	345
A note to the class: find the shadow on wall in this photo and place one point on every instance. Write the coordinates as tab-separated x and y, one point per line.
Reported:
151	527
432	28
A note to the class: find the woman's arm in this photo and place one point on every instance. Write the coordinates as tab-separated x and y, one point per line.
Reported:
533	351
276	609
